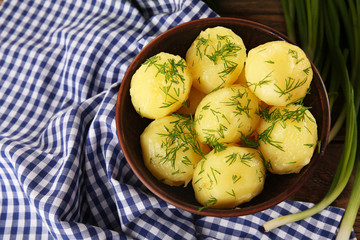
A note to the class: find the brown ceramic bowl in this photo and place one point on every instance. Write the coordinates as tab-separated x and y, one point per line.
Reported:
130	125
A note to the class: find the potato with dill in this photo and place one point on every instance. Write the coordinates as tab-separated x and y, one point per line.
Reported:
160	85
226	116
216	58
279	73
287	138
228	178
171	149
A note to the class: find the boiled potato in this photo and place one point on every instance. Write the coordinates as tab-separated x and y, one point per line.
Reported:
192	102
226	115
216	58
160	85
287	138
171	150
228	178
242	78
278	72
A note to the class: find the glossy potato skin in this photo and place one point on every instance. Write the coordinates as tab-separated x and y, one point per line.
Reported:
228	178
160	86
227	115
216	58
278	73
170	150
288	145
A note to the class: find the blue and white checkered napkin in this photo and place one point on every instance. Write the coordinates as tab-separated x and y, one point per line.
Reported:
62	172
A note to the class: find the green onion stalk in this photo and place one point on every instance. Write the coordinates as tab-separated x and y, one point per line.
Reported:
328	31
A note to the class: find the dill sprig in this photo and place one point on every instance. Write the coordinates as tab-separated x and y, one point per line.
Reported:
249	140
181	136
284	114
235	100
265	137
294	54
173	72
232	193
266	80
213	136
210	202
243	158
280	116
214	173
235	178
267	163
290	85
201	41
222	52
214	143
262	175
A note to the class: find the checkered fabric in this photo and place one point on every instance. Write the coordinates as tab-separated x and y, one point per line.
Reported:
62	172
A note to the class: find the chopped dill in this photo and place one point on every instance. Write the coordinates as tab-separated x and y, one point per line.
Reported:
230	159
211	181
300	101
210	202
202	167
270	62
214	172
181	136
281	116
235	100
249	141
267	163
214	143
310	145
262	175
296	115
290	85
222	52
265	137
186	103
139	112
186	161
226	119
207	106
235	178
307	70
262	82
243	158
198	180
172	71
220	131
232	193
201	41
151	61
294	54
298	128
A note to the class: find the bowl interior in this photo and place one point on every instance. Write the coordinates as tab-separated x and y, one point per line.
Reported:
130	125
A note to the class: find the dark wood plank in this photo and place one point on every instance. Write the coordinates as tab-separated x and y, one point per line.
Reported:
270	13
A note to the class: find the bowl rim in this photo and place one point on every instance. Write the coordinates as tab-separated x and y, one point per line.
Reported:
210	211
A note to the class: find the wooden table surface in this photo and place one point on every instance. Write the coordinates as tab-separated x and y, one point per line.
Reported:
270	13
